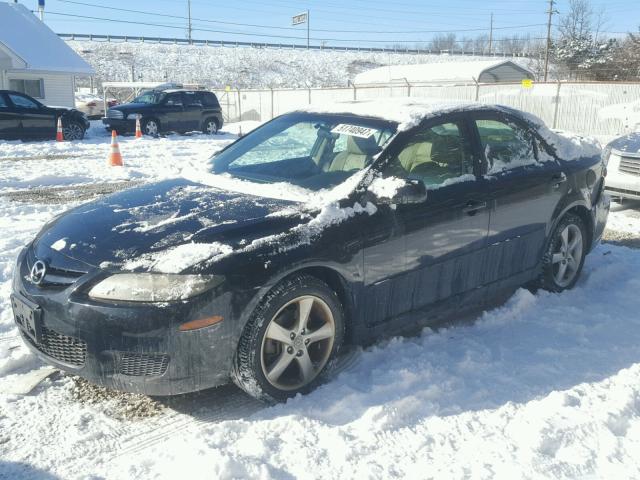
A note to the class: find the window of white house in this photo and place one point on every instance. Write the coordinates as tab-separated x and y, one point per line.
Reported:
33	88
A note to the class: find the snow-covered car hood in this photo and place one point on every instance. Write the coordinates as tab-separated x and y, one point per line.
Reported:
627	144
117	231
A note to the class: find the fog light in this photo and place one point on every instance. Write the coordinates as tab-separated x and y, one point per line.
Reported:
200	323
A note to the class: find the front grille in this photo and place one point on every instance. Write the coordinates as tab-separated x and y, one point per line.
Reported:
55	276
143	364
630	165
61	347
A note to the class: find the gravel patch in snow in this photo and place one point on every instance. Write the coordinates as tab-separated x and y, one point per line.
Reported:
119	405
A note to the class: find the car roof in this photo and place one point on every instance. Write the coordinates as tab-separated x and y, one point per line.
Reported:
408	112
186	90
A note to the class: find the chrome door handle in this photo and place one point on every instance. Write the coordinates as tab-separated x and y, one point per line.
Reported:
472	207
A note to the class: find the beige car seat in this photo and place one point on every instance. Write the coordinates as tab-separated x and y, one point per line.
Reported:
358	154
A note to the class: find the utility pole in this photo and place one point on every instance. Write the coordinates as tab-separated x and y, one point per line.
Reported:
491	34
546	53
189	28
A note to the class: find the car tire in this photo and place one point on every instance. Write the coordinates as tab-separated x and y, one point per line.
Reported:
565	254
150	126
72	130
210	126
278	355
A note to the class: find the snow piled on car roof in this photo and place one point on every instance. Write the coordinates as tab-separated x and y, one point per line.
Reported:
409	112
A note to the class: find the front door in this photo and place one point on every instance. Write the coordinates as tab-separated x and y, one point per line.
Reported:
8	119
36	121
524	194
440	245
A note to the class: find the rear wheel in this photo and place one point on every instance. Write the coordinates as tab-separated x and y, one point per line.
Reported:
291	341
72	131
565	255
210	126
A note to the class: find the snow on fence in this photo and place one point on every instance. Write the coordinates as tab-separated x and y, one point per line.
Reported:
593	108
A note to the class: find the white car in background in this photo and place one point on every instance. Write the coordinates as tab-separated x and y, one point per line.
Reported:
93	105
623	169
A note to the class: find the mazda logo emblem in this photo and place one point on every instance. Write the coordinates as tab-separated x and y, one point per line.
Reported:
38	271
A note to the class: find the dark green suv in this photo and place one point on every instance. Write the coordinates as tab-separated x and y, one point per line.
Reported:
174	110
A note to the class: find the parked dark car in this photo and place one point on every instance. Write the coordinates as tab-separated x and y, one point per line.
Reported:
322	229
172	110
25	118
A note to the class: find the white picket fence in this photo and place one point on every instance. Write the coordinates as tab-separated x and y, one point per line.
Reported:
600	109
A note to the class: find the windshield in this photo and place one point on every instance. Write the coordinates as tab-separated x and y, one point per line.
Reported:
148	97
313	151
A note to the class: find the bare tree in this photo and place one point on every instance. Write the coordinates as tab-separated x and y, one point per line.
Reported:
444	42
578	21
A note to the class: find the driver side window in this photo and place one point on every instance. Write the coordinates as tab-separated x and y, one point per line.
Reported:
23	102
434	155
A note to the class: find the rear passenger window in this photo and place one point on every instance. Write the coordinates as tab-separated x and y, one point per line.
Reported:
174	99
505	145
192	99
209	100
434	155
3	102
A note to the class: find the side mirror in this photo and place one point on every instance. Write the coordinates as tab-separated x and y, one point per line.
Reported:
410	191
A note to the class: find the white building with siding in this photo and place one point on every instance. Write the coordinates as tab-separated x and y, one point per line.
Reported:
34	60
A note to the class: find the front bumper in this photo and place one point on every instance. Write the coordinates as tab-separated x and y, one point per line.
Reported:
119	124
128	347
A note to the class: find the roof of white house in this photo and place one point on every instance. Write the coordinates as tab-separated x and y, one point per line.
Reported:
33	45
482	71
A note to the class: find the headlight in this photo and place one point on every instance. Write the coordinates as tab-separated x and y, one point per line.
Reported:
111	113
152	287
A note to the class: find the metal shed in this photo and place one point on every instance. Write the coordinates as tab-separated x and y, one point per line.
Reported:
467	72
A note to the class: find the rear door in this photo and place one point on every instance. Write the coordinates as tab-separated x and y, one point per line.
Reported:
35	120
192	110
524	192
8	119
437	248
173	112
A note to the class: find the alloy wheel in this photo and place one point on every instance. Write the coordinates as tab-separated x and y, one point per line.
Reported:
297	343
567	255
72	131
151	128
211	127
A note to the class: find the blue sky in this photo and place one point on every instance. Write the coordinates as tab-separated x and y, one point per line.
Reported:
364	22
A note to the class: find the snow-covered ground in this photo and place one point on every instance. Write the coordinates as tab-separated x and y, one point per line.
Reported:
240	67
543	386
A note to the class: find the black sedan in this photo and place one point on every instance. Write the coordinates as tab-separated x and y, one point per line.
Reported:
169	110
313	231
25	118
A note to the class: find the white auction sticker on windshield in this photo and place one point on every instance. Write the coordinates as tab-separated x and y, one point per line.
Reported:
353	130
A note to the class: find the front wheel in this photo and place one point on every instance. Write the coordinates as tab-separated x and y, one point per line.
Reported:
565	255
150	127
291	341
72	131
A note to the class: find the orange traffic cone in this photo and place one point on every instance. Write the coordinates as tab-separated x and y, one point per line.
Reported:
138	130
59	135
115	159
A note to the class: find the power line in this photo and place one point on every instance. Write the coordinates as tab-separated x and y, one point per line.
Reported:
292	28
